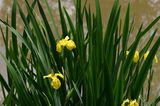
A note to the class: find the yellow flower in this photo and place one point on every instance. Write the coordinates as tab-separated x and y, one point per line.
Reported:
155	57
133	103
136	57
125	102
70	45
55	83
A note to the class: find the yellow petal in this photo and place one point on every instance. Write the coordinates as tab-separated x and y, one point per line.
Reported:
49	76
56	83
58	47
70	45
133	103
136	57
59	75
125	102
63	42
66	38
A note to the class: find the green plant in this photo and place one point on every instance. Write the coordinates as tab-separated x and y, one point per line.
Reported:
96	72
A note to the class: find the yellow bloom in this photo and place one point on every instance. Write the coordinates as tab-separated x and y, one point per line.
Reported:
136	57
125	102
70	45
133	103
155	57
55	83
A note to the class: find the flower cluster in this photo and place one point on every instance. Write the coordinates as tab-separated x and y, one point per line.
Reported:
55	83
128	102
136	56
69	44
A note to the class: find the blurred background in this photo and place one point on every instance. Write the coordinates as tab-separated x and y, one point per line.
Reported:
142	11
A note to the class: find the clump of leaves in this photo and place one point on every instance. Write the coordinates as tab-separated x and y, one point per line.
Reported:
96	72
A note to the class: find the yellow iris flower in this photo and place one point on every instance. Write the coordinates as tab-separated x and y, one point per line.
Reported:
55	83
69	44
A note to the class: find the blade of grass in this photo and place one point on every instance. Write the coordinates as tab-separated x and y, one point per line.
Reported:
52	19
13	24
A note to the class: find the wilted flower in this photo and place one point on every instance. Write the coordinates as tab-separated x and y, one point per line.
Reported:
55	83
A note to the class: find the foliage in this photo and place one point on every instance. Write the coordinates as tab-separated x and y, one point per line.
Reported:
96	71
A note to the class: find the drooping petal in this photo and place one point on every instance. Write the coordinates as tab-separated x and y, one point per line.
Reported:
56	83
59	75
70	45
49	76
58	47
